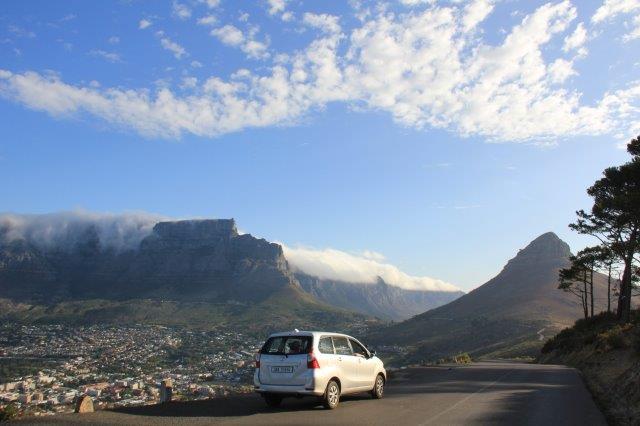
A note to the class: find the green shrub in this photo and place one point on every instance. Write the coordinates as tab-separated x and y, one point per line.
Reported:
8	412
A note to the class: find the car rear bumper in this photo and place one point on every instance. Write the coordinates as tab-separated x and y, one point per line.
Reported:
288	390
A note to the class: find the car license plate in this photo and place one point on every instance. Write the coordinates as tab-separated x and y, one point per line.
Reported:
281	369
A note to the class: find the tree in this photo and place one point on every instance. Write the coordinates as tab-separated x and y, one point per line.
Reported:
574	280
615	219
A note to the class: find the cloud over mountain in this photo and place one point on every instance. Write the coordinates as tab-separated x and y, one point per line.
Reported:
64	229
366	268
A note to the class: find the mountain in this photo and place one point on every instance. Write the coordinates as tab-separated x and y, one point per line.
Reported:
182	271
379	299
510	315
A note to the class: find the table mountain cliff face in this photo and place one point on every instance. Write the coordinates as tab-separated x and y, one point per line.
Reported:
192	260
378	299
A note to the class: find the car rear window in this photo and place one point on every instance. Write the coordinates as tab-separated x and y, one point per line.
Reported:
287	345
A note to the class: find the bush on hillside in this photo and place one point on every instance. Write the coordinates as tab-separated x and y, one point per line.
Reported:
603	330
8	412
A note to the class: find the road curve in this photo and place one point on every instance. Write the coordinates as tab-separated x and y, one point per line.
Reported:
499	393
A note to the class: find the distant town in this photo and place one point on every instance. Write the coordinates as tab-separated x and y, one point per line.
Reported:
118	365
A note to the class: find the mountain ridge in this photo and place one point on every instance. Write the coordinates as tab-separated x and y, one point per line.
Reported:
506	316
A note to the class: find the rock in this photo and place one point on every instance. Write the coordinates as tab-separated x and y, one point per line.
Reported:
84	404
166	390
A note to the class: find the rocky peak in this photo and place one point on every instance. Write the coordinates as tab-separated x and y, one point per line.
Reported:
546	248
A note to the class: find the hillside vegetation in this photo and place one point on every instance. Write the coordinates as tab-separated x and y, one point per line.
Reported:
292	308
608	354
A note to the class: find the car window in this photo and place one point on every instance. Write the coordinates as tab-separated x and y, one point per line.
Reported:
342	346
287	345
325	346
358	349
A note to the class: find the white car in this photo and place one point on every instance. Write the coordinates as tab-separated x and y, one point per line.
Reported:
316	363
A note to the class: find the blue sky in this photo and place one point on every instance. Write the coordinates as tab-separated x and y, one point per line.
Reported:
443	135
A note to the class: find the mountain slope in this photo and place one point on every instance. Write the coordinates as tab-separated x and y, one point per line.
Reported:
379	299
188	272
509	315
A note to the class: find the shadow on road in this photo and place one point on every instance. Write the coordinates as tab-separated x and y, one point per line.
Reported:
233	406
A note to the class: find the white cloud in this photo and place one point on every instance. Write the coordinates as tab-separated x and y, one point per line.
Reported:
338	265
232	36
109	56
635	32
560	70
279	7
416	2
196	64
211	4
188	82
422	67
117	231
576	40
229	35
611	9
208	20
276	6
323	22
475	12
177	50
144	23
181	11
114	40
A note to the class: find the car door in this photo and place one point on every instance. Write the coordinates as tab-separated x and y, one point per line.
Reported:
366	365
348	364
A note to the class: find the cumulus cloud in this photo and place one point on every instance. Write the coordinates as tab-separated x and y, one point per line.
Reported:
208	20
232	36
229	35
426	67
611	9
181	11
144	23
475	12
323	22
211	4
63	230
177	50
576	40
336	265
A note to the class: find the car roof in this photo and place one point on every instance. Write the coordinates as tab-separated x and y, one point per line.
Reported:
308	333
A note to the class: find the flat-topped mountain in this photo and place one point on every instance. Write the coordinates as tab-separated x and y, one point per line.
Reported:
185	271
203	260
509	315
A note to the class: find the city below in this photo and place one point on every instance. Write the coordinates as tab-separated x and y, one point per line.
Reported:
44	368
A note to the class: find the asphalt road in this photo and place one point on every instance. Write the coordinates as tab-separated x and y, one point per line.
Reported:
483	393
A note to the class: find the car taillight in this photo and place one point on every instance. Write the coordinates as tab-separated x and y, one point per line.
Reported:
312	361
258	361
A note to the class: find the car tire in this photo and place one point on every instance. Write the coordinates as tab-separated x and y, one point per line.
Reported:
272	401
331	397
378	387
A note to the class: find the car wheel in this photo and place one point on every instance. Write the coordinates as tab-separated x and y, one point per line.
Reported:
378	388
272	400
331	395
